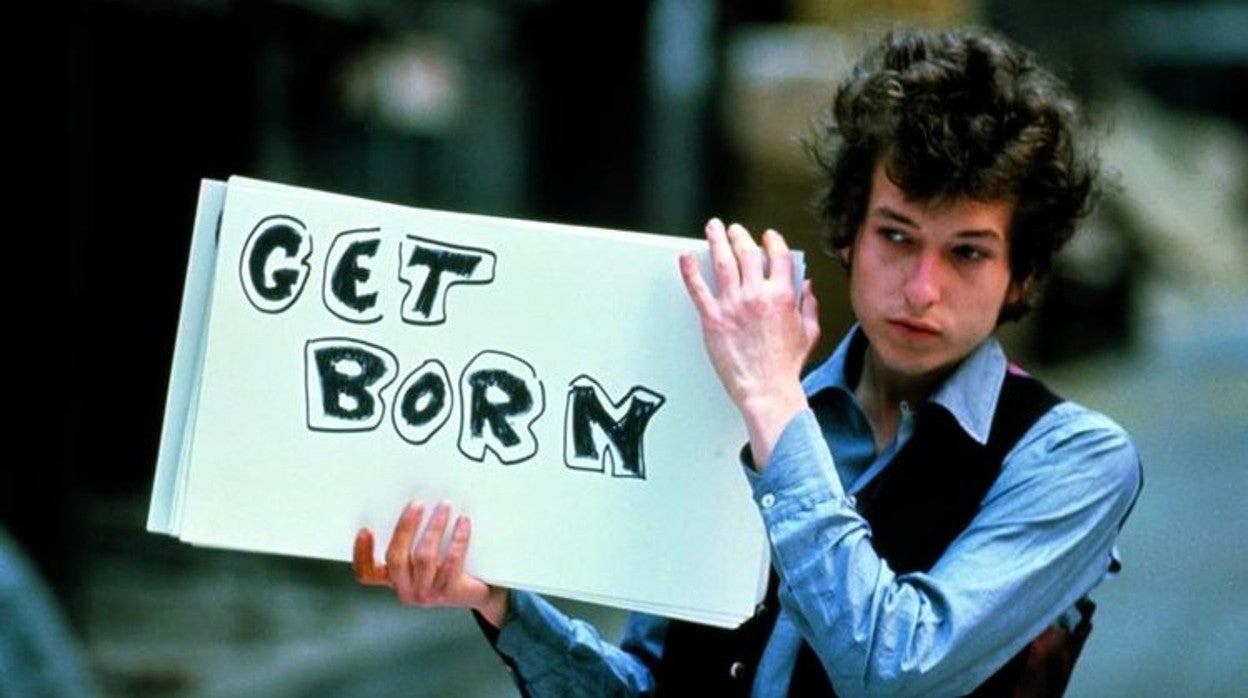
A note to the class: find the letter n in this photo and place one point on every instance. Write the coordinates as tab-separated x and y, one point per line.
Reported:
597	430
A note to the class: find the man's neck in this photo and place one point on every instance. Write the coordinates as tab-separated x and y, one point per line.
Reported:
881	392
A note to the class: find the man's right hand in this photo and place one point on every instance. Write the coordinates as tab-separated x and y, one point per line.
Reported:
757	329
420	573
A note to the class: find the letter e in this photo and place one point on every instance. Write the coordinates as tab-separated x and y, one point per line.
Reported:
350	290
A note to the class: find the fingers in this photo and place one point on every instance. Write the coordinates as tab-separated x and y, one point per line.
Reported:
739	269
723	260
741	263
398	553
779	257
699	292
416	567
362	562
453	564
810	315
738	260
748	256
425	558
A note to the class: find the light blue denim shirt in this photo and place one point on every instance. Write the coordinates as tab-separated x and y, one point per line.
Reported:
1043	538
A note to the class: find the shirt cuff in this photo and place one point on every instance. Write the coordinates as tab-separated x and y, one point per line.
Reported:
801	465
536	639
799	482
534	634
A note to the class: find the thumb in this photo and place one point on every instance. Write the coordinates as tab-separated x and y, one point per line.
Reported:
810	315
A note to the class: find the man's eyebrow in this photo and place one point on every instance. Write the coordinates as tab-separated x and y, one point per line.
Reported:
974	233
886	212
990	233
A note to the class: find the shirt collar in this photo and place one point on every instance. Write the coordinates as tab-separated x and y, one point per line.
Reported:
969	394
835	372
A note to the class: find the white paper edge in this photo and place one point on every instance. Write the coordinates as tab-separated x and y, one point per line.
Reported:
669	241
187	354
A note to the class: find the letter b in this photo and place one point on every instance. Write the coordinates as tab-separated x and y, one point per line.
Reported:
344	379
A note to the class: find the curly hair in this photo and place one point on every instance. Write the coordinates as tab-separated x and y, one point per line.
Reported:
960	114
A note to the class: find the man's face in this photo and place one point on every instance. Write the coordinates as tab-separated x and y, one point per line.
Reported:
928	279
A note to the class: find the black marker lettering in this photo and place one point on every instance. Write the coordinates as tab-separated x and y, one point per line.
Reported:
350	291
344	379
430	268
500	398
423	402
274	268
624	428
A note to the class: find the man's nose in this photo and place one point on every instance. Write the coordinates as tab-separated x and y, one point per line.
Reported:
922	287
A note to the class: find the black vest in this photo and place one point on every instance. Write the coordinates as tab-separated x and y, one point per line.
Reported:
916	507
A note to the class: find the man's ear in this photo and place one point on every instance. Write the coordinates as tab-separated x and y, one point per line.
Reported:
1019	290
845	254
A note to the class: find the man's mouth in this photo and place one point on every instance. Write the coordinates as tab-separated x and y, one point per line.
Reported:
915	328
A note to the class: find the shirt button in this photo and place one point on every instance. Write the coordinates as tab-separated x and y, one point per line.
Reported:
853	501
767	500
737	670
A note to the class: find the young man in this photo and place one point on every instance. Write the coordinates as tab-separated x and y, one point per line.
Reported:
936	517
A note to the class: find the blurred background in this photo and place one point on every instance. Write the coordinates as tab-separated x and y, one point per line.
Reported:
645	115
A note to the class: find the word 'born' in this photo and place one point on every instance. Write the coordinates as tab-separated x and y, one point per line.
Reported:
500	398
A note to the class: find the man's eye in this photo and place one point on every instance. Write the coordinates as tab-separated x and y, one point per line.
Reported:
894	235
970	253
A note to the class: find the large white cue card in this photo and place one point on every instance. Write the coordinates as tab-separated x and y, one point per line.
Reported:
338	357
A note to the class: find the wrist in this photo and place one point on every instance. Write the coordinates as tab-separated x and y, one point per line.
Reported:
766	418
494	608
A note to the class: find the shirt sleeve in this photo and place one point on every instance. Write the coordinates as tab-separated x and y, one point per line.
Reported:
1041	540
553	655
